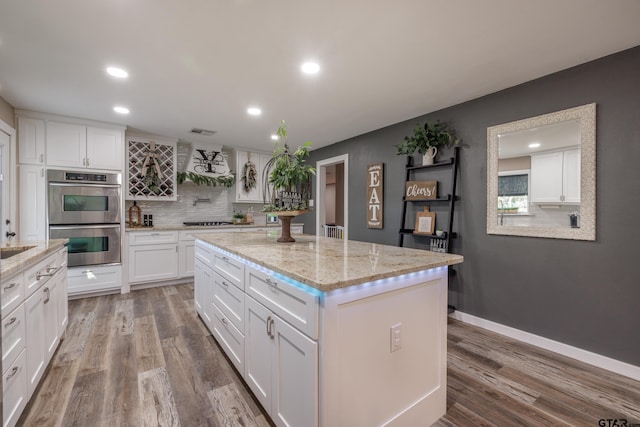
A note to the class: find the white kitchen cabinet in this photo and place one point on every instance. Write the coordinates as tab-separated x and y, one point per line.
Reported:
555	177
31	137
203	286
153	256
14	390
31	202
52	325
80	146
281	366
254	195
35	339
93	279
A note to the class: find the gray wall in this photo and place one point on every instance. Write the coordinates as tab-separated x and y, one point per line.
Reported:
585	294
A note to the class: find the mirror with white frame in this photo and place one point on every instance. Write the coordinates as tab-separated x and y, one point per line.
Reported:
541	176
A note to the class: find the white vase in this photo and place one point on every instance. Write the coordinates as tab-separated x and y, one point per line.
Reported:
427	158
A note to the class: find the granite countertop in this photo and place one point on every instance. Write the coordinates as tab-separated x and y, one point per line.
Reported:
202	227
29	257
327	264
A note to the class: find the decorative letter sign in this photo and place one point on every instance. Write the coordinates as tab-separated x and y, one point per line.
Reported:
375	178
421	190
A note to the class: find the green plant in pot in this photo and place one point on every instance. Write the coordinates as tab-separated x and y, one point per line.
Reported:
427	140
288	176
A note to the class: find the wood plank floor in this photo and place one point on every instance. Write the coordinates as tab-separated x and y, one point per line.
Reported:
145	359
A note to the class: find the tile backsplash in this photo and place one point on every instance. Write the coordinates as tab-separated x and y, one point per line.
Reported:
219	208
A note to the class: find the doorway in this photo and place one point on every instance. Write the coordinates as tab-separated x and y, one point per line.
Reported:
7	212
332	194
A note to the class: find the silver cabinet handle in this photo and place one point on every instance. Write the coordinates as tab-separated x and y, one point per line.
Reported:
42	173
14	371
48	292
224	321
225	259
269	325
10	322
47	274
10	286
225	284
87	161
272	335
41	158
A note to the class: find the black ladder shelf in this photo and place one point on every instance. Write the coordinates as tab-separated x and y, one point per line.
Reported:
438	243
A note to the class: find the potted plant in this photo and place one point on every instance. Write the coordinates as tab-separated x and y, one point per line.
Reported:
238	217
427	140
288	176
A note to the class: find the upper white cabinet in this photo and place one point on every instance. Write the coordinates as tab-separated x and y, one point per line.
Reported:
151	169
79	146
32	137
555	177
31	202
255	194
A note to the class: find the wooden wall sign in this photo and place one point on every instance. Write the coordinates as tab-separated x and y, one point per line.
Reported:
425	222
375	179
421	190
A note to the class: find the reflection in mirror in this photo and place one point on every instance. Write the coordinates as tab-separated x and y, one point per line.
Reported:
541	176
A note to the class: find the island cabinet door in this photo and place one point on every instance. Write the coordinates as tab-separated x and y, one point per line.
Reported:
294	377
258	351
203	293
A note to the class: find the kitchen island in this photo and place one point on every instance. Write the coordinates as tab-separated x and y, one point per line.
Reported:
328	332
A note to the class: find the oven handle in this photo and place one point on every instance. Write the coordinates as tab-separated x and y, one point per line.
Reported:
83	227
82	184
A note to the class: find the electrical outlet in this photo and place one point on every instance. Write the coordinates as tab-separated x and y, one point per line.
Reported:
310	203
396	337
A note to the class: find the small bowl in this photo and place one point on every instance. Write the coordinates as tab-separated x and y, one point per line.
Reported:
439	233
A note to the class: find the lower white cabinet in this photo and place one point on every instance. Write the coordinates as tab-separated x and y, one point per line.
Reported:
277	360
93	279
32	331
153	256
281	366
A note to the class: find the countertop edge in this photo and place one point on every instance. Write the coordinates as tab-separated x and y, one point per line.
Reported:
447	259
24	260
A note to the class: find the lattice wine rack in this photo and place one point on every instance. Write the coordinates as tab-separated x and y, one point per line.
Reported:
151	172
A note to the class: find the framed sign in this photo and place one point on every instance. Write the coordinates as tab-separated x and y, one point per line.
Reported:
375	179
421	190
425	222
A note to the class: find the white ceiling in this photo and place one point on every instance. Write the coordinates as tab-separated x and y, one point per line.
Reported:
201	63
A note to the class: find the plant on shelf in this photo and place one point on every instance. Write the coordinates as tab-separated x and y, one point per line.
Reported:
211	181
436	135
288	176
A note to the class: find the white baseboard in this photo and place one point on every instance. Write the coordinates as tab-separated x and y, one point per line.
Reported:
585	356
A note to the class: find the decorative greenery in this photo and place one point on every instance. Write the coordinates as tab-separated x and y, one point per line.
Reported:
288	172
196	178
238	215
249	176
430	135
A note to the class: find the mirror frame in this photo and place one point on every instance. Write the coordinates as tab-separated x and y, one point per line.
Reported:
587	231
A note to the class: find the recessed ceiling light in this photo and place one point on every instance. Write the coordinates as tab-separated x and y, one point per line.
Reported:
117	72
254	111
274	137
534	145
310	68
121	110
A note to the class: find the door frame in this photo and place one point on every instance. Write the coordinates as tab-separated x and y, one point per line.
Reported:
9	191
321	185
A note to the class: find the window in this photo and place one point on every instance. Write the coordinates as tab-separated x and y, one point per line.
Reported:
513	192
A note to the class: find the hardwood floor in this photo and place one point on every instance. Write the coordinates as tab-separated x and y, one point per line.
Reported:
145	359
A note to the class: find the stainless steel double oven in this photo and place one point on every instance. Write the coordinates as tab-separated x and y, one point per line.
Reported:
86	209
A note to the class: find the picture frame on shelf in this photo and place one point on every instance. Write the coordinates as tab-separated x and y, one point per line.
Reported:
425	222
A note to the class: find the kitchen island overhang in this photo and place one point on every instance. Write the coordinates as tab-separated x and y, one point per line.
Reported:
375	314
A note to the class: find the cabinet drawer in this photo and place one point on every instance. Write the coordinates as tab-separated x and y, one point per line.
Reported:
229	299
152	237
291	303
94	278
13	335
229	337
204	252
11	293
39	274
14	390
232	269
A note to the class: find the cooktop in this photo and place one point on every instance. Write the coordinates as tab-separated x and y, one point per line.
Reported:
194	223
